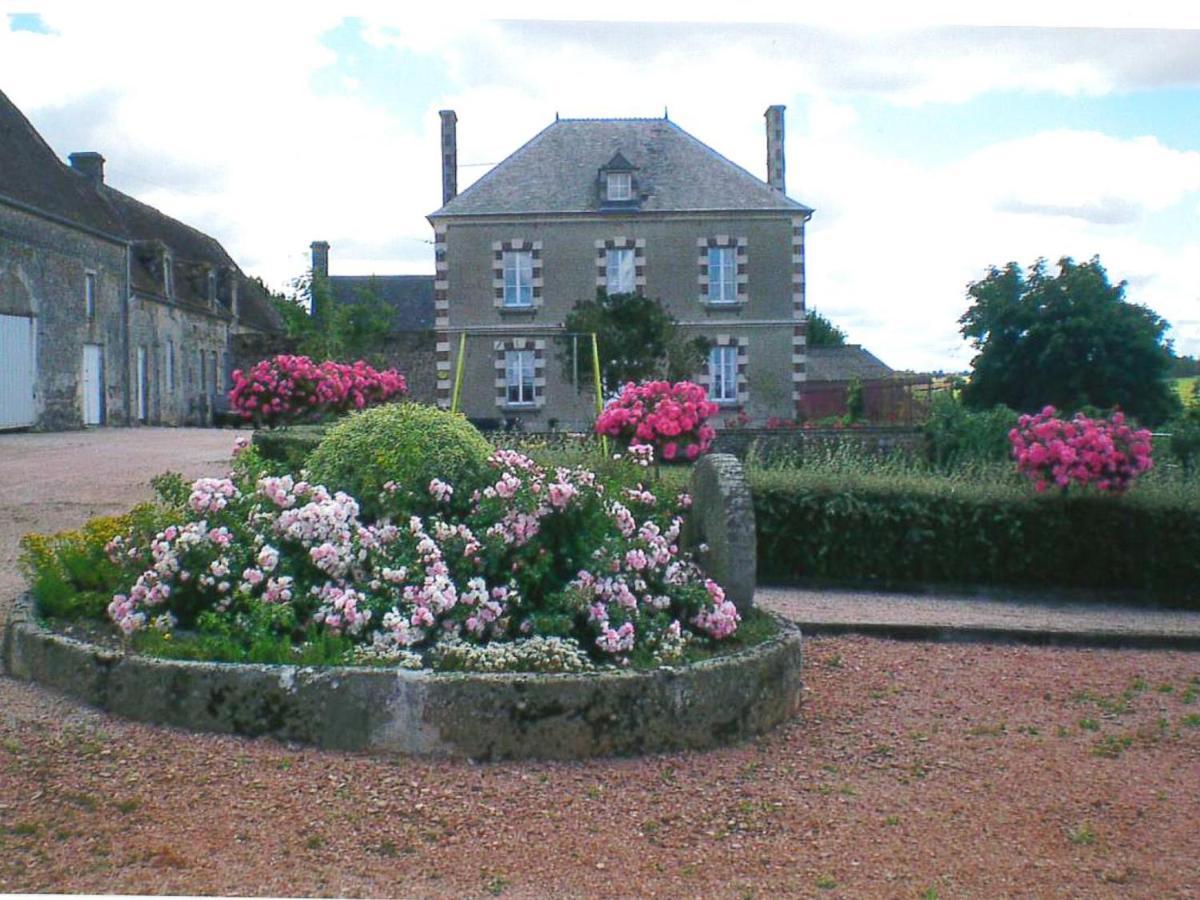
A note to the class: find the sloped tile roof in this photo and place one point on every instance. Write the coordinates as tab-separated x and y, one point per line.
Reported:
844	363
556	172
32	174
410	296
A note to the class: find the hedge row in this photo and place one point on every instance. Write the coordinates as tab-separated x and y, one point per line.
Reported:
919	532
289	446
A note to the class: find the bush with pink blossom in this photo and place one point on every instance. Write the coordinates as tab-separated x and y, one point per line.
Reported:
671	418
288	389
547	569
1105	454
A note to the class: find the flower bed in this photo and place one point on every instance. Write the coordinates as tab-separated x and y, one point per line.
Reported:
548	569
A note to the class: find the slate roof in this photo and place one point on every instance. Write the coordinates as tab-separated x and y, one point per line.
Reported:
410	296
32	174
556	172
844	363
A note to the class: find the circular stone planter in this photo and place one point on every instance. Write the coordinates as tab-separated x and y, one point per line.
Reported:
479	716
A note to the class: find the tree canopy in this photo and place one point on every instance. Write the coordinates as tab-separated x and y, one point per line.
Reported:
823	333
1069	340
344	332
637	338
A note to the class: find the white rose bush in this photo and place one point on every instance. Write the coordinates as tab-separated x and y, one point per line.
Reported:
548	569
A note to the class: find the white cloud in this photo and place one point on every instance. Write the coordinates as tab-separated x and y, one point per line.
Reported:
214	117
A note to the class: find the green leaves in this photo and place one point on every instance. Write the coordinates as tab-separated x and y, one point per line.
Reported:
1067	340
916	530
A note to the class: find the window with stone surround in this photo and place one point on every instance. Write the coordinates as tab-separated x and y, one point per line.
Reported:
724	374
723	270
520	373
621	265
518	366
517	274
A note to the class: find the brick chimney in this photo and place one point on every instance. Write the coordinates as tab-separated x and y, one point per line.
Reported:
775	175
90	165
320	258
449	155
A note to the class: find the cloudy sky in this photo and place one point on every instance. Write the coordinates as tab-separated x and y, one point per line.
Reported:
932	146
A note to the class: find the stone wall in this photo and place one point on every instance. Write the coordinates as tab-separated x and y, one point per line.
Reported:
43	266
479	716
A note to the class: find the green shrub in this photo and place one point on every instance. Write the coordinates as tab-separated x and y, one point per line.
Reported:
405	443
922	529
956	436
289	448
70	574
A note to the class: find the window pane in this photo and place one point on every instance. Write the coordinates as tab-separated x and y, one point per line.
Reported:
518	376
620	185
518	278
722	371
621	271
722	275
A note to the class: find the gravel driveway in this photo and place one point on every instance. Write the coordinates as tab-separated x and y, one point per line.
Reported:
914	770
49	482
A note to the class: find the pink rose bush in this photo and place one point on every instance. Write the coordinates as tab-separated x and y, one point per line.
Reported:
290	389
548	570
1105	454
671	418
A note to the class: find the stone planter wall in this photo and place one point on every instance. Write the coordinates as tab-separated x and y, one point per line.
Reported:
478	716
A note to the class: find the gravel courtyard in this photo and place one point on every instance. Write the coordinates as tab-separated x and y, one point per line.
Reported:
915	770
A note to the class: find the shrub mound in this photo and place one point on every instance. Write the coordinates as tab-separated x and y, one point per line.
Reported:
405	446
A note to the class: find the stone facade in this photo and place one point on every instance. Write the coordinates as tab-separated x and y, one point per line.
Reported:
545	203
132	310
44	269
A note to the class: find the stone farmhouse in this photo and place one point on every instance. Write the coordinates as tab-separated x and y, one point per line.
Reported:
624	205
110	311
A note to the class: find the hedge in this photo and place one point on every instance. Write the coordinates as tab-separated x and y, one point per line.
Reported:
290	446
911	531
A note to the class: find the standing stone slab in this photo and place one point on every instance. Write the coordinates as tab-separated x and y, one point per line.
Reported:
722	517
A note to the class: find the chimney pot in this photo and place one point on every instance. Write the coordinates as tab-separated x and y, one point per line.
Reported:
90	164
775	160
449	155
320	258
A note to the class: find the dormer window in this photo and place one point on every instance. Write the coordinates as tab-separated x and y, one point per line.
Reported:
620	185
617	184
212	286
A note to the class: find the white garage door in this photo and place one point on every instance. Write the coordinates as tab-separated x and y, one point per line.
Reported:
16	371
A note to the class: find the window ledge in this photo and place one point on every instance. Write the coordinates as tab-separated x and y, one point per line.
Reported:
518	310
733	305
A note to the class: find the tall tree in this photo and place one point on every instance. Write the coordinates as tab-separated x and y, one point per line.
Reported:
1068	339
637	338
325	329
823	333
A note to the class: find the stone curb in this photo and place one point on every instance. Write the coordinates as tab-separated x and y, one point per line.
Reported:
479	716
906	631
